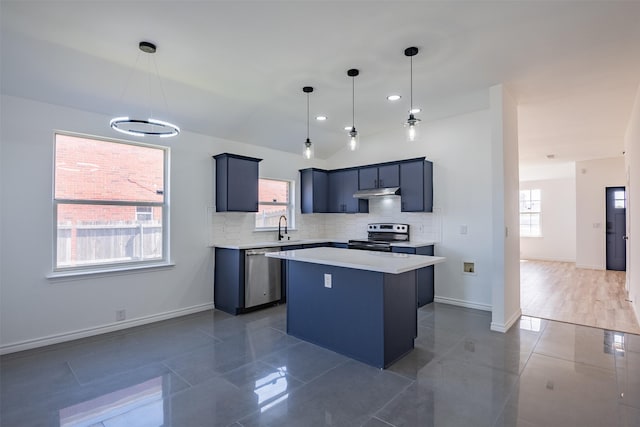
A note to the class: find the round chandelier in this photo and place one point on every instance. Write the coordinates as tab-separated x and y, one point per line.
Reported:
150	126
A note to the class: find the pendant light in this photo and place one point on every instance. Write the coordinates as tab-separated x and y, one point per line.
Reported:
412	123
354	138
149	126
307	151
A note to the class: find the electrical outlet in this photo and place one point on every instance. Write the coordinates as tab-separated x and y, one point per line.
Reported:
463	229
327	281
121	315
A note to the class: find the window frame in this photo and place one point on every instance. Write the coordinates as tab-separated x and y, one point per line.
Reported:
530	214
291	208
97	268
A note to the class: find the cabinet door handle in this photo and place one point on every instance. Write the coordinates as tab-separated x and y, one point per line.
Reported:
375	183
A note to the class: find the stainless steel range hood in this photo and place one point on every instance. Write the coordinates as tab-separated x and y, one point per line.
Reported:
377	192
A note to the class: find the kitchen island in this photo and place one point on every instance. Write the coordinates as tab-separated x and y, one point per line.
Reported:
358	303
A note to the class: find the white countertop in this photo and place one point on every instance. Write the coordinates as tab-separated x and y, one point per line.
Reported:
275	243
382	262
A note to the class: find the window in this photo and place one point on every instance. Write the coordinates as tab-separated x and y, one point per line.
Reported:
619	199
144	213
274	200
110	203
530	213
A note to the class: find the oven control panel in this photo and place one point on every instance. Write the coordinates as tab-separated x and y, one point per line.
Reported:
388	228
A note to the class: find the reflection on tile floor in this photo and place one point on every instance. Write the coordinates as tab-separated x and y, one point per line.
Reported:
213	369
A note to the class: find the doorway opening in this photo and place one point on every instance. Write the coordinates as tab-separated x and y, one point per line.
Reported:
552	286
616	208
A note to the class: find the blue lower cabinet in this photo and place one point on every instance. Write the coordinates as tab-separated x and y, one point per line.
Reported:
365	315
228	285
425	279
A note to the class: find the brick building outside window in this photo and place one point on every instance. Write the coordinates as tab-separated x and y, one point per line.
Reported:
110	202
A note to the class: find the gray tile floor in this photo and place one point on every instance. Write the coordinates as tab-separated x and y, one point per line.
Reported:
213	369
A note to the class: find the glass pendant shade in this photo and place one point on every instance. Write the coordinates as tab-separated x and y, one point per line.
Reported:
354	139
307	151
411	126
412	123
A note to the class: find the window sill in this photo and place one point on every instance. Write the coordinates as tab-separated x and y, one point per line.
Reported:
112	271
531	237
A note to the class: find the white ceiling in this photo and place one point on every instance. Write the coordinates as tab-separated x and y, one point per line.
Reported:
235	69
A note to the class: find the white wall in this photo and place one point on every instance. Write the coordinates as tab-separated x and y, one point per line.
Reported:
34	310
592	178
558	241
632	158
505	228
460	149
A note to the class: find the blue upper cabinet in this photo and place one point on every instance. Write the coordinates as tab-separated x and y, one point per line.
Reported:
416	186
314	189
378	176
332	191
368	178
342	184
236	183
389	176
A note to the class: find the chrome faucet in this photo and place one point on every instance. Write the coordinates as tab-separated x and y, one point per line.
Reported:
280	236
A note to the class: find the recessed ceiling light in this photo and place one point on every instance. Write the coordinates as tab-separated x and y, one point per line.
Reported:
393	97
415	110
321	118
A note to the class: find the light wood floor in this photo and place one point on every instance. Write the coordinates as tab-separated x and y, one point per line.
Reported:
560	291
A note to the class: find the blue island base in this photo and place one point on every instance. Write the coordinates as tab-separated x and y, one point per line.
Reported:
368	316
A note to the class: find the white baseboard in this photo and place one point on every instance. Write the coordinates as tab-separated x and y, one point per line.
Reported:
88	332
498	327
534	258
463	303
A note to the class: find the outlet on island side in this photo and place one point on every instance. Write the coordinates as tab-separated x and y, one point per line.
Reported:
121	315
327	280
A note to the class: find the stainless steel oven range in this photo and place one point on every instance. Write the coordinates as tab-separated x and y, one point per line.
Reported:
380	236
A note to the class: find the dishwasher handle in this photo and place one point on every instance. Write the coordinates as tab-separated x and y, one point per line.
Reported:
261	251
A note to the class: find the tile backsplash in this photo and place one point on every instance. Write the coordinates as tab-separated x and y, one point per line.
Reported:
422	226
239	227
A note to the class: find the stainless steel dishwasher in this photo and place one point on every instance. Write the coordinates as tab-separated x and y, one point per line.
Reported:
262	277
